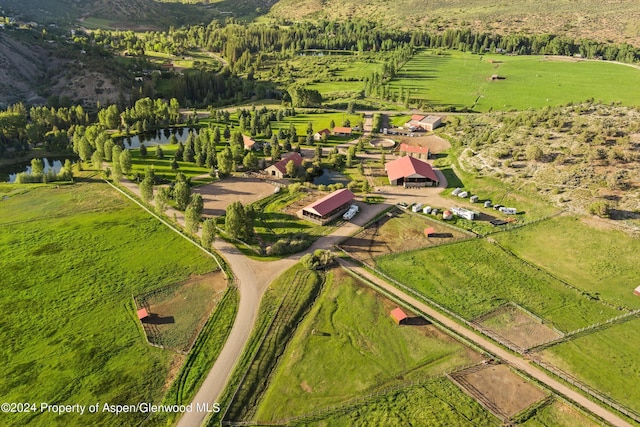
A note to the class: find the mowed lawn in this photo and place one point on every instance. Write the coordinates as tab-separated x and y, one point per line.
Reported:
347	347
600	261
606	360
463	80
319	121
71	258
473	277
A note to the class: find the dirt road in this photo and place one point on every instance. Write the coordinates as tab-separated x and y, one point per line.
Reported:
509	358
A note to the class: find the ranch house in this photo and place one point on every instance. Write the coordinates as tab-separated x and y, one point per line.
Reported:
411	172
318	135
342	131
329	207
279	169
426	123
414	151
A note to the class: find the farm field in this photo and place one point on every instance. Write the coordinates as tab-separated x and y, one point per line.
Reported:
319	121
463	80
72	257
601	261
348	346
559	414
398	231
605	360
474	277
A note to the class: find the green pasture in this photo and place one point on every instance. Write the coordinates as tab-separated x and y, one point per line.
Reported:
559	414
473	277
319	121
72	257
603	262
437	402
162	168
606	360
348	346
463	80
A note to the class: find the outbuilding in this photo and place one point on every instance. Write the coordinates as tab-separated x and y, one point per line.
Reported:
342	131
414	151
411	172
637	291
143	314
320	134
329	207
399	316
279	169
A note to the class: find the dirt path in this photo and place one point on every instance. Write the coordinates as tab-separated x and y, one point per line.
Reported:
511	359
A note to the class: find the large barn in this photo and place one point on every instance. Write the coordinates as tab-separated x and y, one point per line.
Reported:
329	207
279	169
420	122
411	172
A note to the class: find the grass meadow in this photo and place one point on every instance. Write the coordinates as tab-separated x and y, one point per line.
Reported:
463	80
72	257
606	360
162	167
473	277
319	121
348	346
601	261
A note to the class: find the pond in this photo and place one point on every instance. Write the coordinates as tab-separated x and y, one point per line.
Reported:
156	137
8	173
329	177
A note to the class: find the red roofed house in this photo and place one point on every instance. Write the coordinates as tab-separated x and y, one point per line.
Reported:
318	135
414	151
637	291
249	143
143	314
411	172
342	131
329	207
398	315
279	169
427	123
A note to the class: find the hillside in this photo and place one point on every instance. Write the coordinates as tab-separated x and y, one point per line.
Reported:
604	20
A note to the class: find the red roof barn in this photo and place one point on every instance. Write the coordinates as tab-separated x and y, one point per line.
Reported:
341	130
279	169
415	151
398	315
411	172
329	207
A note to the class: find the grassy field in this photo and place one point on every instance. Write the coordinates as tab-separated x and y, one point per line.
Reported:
476	276
319	121
463	80
559	414
162	167
72	256
601	261
347	347
606	360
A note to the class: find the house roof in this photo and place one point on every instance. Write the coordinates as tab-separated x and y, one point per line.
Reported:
330	202
142	313
414	148
398	314
417	117
282	164
637	291
248	142
341	129
324	131
430	119
408	166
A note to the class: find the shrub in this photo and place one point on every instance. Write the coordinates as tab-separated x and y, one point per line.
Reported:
290	244
600	208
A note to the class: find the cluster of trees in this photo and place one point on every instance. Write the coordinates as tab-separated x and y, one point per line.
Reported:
38	175
239	221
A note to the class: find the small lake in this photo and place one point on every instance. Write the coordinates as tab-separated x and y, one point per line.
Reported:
156	137
329	177
8	173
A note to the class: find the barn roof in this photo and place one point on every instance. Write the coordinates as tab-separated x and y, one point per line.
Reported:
341	129
417	117
282	164
142	313
414	148
408	166
248	142
330	202
430	119
398	314
324	131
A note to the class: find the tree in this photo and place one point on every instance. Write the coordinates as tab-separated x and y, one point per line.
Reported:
143	150
37	167
115	157
208	233
290	168
162	200
159	153
125	161
235	221
332	124
225	161
96	160
302	97
250	161
179	154
146	189
193	213
181	195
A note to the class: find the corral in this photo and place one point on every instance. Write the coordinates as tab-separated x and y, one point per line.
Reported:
218	195
517	326
498	389
178	312
396	232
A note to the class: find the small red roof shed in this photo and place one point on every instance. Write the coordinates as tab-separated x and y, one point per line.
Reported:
637	291
429	231
398	315
143	313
